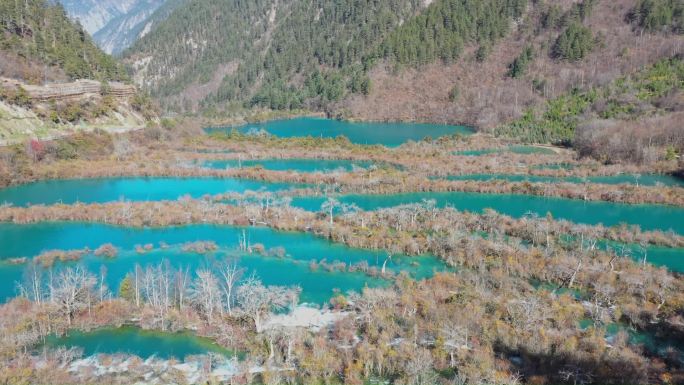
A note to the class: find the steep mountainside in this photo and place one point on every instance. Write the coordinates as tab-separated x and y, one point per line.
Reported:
480	87
41	50
95	14
407	55
219	51
124	31
115	25
38	40
300	53
485	63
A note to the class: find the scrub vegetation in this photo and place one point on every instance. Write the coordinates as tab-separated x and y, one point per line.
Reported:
547	300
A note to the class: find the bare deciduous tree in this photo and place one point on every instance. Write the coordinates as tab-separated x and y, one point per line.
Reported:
181	286
257	300
205	293
73	290
230	274
32	284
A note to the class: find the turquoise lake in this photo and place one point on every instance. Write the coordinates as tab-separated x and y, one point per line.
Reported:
299	165
292	269
643	180
101	190
387	134
649	217
133	340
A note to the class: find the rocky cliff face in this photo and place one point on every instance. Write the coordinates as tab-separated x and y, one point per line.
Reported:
121	32
60	109
114	24
95	14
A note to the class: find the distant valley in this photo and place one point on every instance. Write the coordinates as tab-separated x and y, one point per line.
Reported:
116	25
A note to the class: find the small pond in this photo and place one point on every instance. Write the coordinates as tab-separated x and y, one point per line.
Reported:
139	342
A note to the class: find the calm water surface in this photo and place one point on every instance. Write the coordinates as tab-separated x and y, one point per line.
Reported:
100	190
649	217
291	269
136	341
387	134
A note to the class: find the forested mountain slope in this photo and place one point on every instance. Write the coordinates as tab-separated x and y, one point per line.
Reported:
218	51
42	52
491	85
294	53
37	39
484	63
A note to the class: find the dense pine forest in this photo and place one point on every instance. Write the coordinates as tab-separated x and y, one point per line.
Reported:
268	43
297	54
